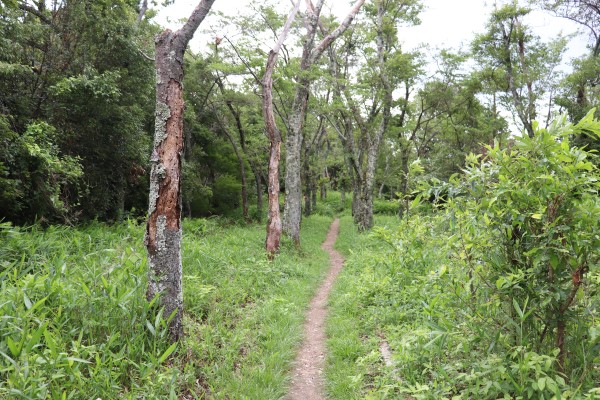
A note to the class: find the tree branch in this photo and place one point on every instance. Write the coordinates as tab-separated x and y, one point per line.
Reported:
186	33
337	32
37	13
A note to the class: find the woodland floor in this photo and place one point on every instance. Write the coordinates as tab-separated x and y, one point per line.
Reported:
307	374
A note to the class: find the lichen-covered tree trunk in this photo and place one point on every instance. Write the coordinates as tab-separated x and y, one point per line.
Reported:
163	229
292	213
364	209
363	216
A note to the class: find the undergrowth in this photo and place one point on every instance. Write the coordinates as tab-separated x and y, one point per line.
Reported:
75	322
493	296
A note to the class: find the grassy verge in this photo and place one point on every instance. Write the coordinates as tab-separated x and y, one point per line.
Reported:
352	343
75	322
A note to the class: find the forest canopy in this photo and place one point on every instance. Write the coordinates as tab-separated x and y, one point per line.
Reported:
77	104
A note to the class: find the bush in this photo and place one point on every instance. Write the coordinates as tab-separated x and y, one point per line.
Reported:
226	194
385	207
494	296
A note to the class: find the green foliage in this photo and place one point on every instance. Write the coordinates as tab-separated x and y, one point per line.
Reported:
494	297
226	195
538	204
75	319
386	207
75	322
77	68
34	175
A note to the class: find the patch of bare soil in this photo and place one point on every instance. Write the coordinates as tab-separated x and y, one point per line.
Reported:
307	374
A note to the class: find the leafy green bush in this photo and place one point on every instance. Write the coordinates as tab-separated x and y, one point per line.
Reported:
324	209
385	207
226	194
493	297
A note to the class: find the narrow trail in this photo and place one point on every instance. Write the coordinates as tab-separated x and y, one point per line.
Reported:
307	374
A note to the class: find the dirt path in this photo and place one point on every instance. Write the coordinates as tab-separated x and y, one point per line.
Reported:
307	374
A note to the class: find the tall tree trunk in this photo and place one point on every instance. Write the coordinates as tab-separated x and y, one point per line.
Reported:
323	188
307	189
310	54
242	136
142	12
163	229
292	212
120	197
510	80
313	193
404	180
274	227
364	219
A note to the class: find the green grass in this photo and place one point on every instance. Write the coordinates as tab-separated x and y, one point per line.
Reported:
75	322
352	348
409	284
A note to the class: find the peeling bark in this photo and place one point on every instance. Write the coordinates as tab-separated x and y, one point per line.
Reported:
163	229
274	226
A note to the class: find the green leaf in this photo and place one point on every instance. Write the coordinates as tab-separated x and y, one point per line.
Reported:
75	359
167	353
541	383
37	305
13	346
13	362
518	308
27	301
35	339
150	328
86	289
416	201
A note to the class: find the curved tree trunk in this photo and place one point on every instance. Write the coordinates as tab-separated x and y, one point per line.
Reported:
274	227
163	229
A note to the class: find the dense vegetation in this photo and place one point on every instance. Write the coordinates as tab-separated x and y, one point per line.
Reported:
479	280
493	296
75	321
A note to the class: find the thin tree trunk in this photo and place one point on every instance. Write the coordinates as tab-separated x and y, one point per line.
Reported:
510	78
307	189
259	195
561	324
242	134
314	192
142	13
274	227
163	229
310	54
324	184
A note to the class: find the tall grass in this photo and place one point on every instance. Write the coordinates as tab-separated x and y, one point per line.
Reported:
75	322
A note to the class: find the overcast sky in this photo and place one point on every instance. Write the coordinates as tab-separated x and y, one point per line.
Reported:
445	23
